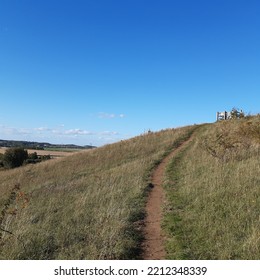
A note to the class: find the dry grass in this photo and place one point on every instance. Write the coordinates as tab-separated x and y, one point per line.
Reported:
214	196
84	206
88	205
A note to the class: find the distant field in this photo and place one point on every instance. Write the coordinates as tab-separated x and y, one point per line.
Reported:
55	153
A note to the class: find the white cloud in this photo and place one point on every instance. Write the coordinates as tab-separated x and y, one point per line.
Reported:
103	115
77	131
24	131
108	133
42	129
59	134
6	130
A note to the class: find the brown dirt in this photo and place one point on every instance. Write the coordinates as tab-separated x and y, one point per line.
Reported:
153	245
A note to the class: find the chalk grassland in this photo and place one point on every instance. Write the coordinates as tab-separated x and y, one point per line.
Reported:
52	153
84	206
213	192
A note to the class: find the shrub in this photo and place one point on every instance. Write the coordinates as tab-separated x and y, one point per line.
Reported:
45	157
14	157
237	113
32	161
1	160
33	156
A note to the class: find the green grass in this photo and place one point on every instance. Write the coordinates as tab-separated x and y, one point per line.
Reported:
213	191
85	206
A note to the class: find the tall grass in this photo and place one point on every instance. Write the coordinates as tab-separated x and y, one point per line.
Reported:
213	191
84	206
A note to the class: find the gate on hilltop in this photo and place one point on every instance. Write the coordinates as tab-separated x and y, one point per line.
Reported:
234	114
221	116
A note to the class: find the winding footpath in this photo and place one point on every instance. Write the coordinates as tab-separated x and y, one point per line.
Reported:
153	245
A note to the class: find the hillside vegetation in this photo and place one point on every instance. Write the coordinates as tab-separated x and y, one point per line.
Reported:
90	205
85	206
213	192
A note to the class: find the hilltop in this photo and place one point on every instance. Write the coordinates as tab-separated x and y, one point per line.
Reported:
91	205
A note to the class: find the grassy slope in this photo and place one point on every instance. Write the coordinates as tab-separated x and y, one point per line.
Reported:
213	191
88	206
85	206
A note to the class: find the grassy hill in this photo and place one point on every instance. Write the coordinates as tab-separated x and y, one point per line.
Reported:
90	205
213	191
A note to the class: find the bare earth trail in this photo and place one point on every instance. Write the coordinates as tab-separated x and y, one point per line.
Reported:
152	246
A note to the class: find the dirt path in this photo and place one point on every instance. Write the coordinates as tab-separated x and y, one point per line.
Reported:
153	248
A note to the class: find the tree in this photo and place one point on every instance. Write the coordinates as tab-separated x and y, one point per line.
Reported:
237	114
1	160
15	157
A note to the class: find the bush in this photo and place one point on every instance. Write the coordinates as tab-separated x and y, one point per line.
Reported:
1	160
32	161
237	113
33	156
15	157
45	157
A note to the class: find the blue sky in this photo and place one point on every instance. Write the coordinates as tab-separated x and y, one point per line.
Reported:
98	71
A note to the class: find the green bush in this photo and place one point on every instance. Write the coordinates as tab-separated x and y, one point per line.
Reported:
33	156
32	161
1	160
15	157
45	157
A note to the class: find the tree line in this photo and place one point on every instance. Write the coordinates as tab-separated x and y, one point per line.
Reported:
15	157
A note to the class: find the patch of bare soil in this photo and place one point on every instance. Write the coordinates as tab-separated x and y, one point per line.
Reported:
153	245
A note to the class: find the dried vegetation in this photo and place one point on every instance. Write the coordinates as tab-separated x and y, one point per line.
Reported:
85	206
213	191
